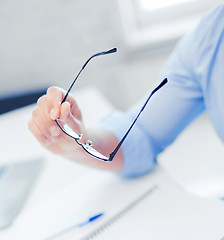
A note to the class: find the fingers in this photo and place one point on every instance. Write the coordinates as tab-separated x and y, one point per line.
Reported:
41	123
65	110
46	138
54	98
49	108
37	133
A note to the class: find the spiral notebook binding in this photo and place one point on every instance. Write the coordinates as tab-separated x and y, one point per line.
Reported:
112	220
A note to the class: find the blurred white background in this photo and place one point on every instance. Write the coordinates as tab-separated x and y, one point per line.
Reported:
45	43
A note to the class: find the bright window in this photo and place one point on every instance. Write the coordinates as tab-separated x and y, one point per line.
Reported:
153	5
150	23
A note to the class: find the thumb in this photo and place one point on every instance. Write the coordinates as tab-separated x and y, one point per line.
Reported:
67	116
54	98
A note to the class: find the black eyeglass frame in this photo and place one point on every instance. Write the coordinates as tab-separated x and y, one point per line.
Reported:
88	145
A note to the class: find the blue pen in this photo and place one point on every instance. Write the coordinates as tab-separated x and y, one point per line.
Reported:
91	219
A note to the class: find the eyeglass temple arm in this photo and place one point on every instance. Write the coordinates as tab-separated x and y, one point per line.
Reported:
112	155
95	55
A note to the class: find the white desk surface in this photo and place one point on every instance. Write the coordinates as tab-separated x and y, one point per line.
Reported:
196	159
58	175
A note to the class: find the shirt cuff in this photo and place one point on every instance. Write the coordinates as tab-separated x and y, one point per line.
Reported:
138	152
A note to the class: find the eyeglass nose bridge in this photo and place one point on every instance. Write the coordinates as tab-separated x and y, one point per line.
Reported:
88	143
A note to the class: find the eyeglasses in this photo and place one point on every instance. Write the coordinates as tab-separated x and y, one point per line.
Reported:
88	145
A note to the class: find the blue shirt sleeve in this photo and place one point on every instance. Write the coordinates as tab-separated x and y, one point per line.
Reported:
173	107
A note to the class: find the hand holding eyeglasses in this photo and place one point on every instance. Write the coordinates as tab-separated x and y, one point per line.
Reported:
48	109
45	129
57	124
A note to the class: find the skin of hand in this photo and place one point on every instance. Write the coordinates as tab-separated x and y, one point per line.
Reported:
44	128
